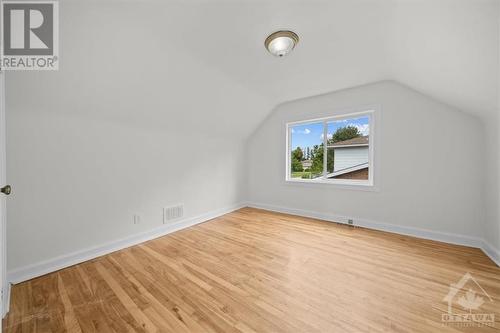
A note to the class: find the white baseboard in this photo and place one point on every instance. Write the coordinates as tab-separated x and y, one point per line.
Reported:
51	265
6	300
491	252
31	271
440	236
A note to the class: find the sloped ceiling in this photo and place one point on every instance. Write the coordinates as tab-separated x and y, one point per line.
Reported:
201	65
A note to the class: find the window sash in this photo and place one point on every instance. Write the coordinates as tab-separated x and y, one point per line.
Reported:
325	120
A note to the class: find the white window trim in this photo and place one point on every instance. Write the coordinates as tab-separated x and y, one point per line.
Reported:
368	185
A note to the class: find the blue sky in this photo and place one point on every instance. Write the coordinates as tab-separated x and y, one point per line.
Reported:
312	134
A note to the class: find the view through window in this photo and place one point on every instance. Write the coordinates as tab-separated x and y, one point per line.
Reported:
333	149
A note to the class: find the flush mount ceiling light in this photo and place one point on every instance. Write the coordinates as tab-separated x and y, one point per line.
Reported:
280	43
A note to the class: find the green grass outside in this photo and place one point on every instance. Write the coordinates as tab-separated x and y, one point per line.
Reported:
304	174
300	174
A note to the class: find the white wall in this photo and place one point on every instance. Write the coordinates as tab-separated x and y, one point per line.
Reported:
492	166
112	133
130	123
492	186
430	162
77	181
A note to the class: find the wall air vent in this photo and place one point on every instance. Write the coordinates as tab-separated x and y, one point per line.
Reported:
172	213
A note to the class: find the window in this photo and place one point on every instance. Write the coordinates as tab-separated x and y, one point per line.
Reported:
335	150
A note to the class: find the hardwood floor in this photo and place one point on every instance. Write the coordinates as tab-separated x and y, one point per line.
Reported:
258	271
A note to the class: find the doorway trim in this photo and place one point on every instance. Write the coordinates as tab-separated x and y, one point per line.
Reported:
5	285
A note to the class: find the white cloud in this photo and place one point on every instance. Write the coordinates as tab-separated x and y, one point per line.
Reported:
364	129
329	136
304	131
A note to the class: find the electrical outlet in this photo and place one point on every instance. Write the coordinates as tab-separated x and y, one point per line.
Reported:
350	221
137	219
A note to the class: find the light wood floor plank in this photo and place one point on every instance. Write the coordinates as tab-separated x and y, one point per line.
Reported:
258	271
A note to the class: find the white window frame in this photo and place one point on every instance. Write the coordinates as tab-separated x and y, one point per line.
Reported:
355	183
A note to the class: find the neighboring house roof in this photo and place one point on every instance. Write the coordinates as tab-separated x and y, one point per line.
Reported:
347	170
359	141
306	162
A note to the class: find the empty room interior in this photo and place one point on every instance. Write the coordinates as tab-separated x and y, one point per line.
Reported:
250	166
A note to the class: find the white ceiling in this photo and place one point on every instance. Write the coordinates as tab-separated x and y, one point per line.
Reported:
447	49
202	64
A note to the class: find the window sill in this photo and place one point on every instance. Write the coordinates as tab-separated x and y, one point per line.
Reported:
346	185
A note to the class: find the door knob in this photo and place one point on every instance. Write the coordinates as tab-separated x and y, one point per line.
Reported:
6	189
